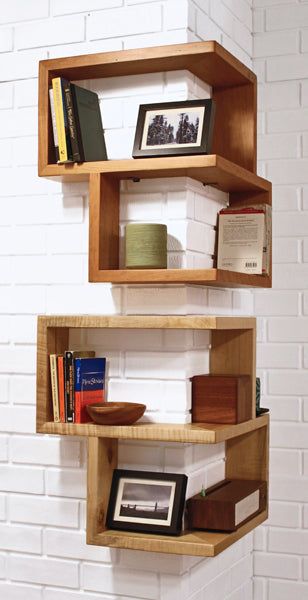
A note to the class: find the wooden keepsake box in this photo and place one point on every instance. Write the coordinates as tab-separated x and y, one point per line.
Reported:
227	505
221	398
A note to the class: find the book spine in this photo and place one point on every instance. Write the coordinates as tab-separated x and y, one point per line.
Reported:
77	122
54	125
54	387
59	112
61	388
71	119
69	387
88	392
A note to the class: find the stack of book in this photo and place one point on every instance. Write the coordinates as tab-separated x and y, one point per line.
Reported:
77	379
244	239
76	123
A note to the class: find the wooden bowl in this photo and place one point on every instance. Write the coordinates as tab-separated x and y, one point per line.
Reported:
116	413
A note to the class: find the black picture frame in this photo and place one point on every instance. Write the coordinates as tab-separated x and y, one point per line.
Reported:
146	501
194	140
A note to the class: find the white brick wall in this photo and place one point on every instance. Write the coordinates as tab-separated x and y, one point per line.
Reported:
43	266
280	50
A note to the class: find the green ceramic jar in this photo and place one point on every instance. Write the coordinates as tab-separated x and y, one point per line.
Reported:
146	246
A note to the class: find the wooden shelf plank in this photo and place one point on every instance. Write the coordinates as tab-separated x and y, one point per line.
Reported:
195	433
213	277
192	543
209	169
207	60
147	321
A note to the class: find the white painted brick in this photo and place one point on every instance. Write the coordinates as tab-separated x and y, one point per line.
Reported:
294	541
125	21
43	511
3	448
23	329
10	591
288	382
283	409
20	538
258	20
22	479
135	207
69	483
284	514
276	565
19	12
179	14
304	93
289	435
64	7
179	458
283	461
290	276
243	37
120	581
44	571
4	389
286	250
26	93
286	198
177	36
242	10
72	544
6	153
40	210
288	330
6	95
150	455
66	239
60	594
278	356
240	571
25	151
48	33
83	299
287	120
206	28
149	392
305	409
167	365
272	44
222	16
290	490
21	65
286	67
219	301
278	146
260	588
271	302
275	96
171	564
18	358
39	450
281	17
260	538
44	270
17	419
22	389
165	300
305	469
305	144
190	235
6	40
234	48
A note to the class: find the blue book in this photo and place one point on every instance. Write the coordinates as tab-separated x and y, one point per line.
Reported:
89	385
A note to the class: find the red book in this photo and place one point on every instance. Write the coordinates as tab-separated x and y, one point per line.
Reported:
89	385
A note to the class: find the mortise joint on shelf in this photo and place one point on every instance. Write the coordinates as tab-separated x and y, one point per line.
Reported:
233	343
232	166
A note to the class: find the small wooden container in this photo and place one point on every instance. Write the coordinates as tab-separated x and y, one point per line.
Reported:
146	246
221	399
227	505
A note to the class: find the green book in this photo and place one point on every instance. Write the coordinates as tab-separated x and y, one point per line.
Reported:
90	133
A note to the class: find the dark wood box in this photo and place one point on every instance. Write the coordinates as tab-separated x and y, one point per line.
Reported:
221	398
227	505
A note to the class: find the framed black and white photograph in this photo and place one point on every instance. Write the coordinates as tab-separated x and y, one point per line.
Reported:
147	501
174	128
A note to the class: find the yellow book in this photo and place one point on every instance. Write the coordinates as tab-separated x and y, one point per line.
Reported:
58	102
54	387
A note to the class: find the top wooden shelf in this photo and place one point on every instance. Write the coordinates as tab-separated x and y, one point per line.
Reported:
207	60
234	89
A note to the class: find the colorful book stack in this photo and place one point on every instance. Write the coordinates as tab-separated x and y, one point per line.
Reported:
77	379
76	123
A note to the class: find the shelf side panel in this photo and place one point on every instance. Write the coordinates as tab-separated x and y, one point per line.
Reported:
247	455
233	352
50	340
102	460
104	201
235	124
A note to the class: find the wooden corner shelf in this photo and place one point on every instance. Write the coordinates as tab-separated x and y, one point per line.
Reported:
233	342
231	167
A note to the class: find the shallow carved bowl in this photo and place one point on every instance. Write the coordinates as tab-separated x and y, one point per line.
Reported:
116	413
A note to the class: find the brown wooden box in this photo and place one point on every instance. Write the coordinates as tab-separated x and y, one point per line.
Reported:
221	398
227	505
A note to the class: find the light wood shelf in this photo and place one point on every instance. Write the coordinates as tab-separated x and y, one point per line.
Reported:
195	433
233	342
231	167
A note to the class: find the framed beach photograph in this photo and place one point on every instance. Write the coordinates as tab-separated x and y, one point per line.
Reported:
146	501
174	128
